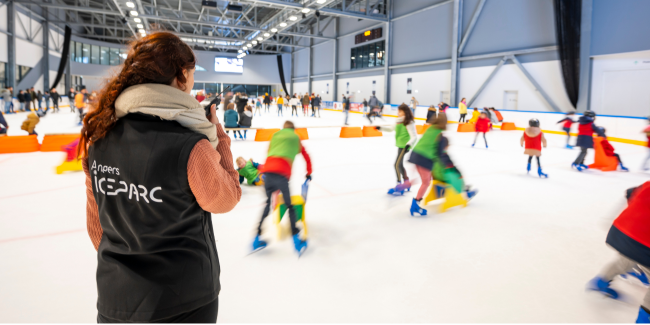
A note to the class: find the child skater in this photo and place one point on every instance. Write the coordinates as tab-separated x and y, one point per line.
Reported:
285	145
462	110
609	150
568	121
258	106
586	130
629	236
423	155
280	102
250	171
534	139
482	126
405	138
475	116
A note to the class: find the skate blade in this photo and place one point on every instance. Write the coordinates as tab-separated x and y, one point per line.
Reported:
256	250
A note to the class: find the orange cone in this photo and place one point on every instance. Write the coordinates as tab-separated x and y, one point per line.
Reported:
601	160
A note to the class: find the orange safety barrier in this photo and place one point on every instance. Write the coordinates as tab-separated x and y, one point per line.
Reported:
466	127
508	126
53	142
19	143
265	134
302	133
601	160
370	131
421	128
351	132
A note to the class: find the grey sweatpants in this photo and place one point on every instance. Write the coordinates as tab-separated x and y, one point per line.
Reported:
622	265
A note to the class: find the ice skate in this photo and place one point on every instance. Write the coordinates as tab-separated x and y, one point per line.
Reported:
395	191
639	275
644	316
528	169
541	174
568	146
415	208
258	244
623	168
470	193
598	284
299	244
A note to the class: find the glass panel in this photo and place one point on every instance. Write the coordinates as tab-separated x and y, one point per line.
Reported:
72	51
365	57
85	54
371	55
115	56
251	90
3	75
212	88
94	54
123	55
380	54
359	59
79	52
104	56
198	86
352	58
21	72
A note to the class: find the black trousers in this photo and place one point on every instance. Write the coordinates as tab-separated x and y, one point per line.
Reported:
581	157
462	118
399	165
273	183
530	159
484	139
294	109
204	314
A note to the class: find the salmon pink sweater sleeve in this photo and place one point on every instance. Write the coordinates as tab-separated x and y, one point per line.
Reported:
95	230
212	176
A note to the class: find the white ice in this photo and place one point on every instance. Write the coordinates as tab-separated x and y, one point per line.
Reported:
522	251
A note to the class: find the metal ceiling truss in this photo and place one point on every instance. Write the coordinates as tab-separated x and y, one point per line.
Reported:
121	20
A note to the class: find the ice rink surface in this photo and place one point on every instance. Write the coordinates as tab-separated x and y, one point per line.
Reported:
522	251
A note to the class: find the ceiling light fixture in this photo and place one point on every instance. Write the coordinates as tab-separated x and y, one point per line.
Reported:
293	18
137	20
240	51
305	10
140	26
267	34
283	24
260	38
133	13
254	42
142	31
130	4
274	30
320	2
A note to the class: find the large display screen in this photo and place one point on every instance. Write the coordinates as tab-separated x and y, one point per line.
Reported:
233	65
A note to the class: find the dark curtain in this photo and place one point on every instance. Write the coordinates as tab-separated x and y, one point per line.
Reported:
64	56
281	71
568	15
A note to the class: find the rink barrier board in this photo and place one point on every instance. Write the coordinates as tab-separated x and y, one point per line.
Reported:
54	142
19	144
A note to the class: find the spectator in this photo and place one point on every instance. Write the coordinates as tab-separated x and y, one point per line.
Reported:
21	100
28	100
346	108
46	100
80	103
39	99
7	97
34	97
157	261
4	127
71	98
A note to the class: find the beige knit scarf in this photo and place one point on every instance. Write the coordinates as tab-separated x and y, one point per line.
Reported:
168	103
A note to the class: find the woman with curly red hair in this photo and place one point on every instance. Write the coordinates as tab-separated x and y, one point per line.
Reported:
156	168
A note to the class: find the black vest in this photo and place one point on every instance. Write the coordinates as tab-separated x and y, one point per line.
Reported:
157	257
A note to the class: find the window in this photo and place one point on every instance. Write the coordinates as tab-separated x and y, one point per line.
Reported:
123	54
21	72
115	56
104	55
78	52
212	88
198	86
199	68
366	56
85	53
94	54
3	75
73	53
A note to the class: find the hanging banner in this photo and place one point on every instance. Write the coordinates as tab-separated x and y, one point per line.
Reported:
409	85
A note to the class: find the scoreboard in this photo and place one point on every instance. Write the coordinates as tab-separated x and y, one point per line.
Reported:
368	35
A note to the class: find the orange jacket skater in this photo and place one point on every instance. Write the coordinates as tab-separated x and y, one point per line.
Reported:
534	139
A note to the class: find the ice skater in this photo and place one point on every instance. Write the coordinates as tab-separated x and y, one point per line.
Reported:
285	145
258	106
566	126
405	138
586	130
482	126
534	139
630	237
475	115
423	155
647	134
609	150
462	110
249	171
